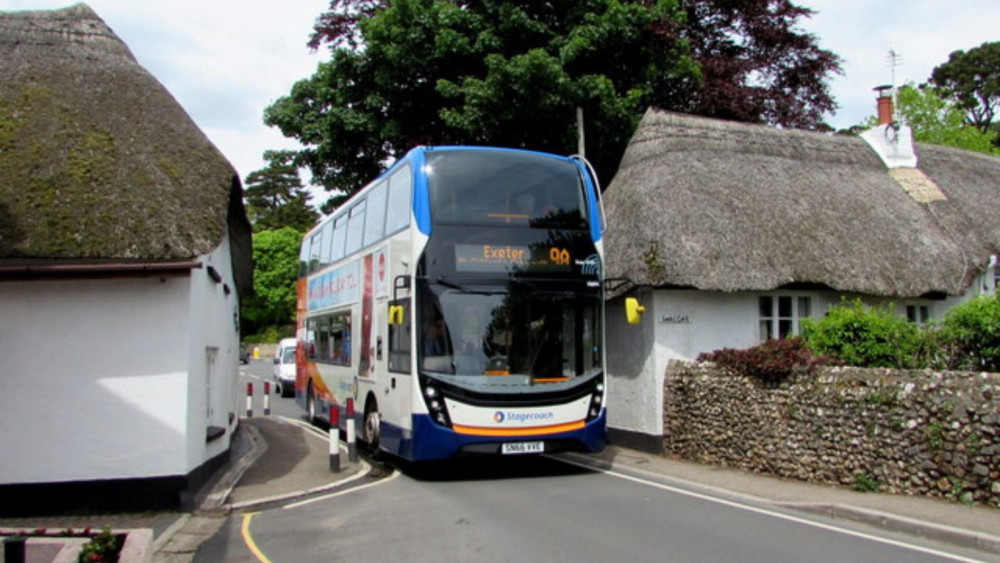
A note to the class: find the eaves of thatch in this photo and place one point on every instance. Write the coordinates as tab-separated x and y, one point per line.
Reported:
723	206
98	163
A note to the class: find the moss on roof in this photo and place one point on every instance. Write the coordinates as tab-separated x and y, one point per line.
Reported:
97	160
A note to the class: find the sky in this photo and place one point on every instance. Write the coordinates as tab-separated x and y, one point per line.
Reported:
227	60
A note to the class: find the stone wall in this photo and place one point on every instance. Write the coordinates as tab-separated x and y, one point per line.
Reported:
904	432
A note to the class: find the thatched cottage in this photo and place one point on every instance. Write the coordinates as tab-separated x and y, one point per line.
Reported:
124	249
730	234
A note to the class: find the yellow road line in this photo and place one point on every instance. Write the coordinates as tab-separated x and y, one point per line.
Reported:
248	539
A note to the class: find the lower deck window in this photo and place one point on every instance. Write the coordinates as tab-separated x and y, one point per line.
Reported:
330	339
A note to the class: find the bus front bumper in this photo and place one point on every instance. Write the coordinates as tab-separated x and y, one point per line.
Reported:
429	440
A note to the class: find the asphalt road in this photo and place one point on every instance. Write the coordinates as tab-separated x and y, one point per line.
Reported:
258	372
539	508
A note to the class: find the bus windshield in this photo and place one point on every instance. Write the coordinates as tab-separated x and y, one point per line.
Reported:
521	330
505	188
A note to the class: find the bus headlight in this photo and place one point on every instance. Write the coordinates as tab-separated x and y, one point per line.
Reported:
435	404
596	399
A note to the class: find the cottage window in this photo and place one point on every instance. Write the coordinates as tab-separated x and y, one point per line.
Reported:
918	314
780	315
995	263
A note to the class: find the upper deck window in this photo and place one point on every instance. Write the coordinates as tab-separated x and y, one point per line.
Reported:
505	188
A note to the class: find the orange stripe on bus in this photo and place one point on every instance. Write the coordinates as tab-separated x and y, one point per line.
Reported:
533	431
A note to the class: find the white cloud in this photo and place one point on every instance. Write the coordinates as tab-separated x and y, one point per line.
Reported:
923	32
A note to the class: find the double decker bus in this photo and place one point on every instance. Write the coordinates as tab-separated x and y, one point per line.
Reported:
456	303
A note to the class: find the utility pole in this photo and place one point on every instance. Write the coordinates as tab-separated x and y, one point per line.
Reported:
580	145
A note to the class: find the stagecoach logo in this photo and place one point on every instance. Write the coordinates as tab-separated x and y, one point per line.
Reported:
521	417
590	266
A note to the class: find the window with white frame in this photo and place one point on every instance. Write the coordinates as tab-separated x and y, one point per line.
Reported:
780	315
995	263
918	314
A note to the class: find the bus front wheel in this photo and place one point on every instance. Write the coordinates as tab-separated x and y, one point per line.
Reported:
372	426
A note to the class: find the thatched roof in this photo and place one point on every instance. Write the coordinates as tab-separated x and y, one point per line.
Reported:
98	162
724	206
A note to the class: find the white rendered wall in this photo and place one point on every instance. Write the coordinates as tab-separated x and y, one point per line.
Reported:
681	324
677	325
93	379
634	398
213	327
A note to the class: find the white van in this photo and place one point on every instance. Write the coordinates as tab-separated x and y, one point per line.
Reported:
284	367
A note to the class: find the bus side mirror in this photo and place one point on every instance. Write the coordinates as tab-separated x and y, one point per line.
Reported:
395	314
633	310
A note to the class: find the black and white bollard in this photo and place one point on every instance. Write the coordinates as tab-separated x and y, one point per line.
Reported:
352	448
267	398
249	400
334	439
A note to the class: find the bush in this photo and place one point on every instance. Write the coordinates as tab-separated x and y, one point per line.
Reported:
771	361
867	337
271	334
970	335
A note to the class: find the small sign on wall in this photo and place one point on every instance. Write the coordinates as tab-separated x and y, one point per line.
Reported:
676	319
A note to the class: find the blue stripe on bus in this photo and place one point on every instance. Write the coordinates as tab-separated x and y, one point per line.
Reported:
437	442
421	195
593	209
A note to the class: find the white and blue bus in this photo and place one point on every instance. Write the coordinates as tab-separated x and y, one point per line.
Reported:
456	303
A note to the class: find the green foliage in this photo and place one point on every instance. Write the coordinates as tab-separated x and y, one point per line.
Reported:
276	270
938	120
271	334
104	547
970	335
972	78
513	72
275	197
771	362
858	335
864	484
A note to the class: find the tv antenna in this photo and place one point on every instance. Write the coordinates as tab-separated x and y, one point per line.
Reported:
894	59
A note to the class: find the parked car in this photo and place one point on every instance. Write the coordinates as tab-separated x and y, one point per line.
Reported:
284	367
244	354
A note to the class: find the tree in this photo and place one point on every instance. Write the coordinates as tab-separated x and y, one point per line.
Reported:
973	79
513	72
937	120
275	197
275	273
755	66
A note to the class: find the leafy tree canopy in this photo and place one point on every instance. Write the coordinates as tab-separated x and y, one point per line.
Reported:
275	196
937	119
275	271
512	72
972	78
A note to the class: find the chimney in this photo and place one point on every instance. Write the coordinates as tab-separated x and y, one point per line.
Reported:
885	109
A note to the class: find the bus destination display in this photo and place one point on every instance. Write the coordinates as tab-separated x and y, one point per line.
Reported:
505	258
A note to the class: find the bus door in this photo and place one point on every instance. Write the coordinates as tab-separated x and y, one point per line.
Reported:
398	385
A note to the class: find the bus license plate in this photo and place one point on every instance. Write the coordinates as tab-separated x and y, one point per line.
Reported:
522	448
